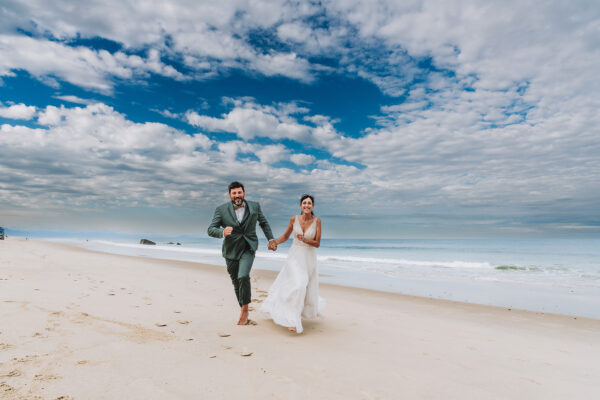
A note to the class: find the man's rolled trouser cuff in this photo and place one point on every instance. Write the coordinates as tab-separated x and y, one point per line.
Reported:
244	290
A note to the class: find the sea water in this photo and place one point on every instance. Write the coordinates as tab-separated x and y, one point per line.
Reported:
545	275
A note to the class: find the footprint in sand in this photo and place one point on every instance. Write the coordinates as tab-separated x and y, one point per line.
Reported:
5	346
246	353
183	322
41	377
25	359
6	388
221	334
12	374
160	324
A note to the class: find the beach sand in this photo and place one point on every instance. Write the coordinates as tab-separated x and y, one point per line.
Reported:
77	324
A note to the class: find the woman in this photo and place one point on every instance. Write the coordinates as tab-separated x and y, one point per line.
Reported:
295	292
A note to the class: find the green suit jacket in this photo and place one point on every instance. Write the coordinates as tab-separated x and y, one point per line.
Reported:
243	232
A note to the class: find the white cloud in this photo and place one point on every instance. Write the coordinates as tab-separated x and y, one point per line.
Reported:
103	155
80	66
578	227
272	153
286	64
302	159
17	111
499	44
93	157
249	120
499	103
75	99
207	37
294	31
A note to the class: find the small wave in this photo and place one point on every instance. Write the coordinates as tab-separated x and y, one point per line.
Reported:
403	262
511	268
152	248
369	247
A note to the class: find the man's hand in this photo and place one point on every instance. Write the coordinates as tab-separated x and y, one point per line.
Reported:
227	231
272	245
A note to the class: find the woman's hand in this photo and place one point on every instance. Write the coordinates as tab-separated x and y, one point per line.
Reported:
300	237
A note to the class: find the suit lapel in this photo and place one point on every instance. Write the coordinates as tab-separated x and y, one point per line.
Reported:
246	213
232	213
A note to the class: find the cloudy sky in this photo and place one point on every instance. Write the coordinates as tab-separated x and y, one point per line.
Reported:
403	118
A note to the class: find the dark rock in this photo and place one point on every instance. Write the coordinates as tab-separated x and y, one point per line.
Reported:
170	243
146	241
178	244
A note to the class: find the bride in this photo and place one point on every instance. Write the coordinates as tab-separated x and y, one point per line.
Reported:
295	293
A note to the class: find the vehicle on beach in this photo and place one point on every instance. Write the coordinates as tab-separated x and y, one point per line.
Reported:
1	233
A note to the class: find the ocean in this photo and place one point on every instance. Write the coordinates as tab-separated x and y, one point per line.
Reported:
545	275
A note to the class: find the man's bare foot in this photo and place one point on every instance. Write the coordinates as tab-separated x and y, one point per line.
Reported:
244	315
292	329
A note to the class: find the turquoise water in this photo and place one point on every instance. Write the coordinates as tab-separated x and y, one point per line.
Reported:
546	275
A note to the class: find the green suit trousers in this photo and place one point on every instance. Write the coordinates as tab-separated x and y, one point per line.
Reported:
239	272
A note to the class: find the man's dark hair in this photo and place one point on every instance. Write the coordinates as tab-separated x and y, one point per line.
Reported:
235	185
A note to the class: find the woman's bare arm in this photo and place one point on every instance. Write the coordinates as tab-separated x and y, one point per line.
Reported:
286	235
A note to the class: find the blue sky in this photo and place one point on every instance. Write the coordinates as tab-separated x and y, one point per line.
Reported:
404	119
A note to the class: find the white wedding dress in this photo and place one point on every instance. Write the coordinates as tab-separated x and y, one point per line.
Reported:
295	293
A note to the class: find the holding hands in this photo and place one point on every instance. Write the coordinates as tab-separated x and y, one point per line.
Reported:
272	243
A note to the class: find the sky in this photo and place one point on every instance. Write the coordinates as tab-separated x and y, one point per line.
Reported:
402	118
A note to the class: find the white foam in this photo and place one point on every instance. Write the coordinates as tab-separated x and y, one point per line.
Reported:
407	263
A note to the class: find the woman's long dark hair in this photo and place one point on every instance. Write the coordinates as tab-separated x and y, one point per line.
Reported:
308	196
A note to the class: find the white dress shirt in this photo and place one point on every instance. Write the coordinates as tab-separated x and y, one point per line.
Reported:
239	212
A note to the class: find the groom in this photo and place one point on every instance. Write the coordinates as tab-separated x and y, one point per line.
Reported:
236	222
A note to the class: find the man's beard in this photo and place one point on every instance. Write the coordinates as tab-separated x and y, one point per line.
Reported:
238	201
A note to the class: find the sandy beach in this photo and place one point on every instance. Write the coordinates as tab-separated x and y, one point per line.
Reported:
77	324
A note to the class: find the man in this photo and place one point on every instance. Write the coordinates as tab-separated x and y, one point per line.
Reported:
236	222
